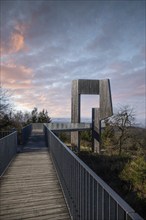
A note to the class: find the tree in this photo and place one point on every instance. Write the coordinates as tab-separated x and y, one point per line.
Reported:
118	126
5	103
26	118
5	109
21	119
40	117
134	173
6	122
107	136
122	120
43	117
34	115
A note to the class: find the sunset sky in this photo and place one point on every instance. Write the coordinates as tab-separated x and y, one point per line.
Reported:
46	44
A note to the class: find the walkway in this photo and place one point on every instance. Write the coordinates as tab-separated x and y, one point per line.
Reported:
30	188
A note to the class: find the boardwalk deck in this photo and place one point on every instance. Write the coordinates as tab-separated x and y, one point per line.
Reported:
30	189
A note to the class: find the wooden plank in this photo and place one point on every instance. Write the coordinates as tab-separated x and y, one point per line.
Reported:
30	189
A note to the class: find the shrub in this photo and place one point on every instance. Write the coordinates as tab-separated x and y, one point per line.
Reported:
134	173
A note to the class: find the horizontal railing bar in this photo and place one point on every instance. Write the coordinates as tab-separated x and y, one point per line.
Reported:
69	126
7	135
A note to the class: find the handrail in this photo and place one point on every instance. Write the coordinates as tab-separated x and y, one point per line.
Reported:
37	126
26	132
87	195
8	148
69	126
4	133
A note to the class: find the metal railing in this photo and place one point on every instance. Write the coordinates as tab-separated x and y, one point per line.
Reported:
4	133
69	126
37	126
8	148
26	132
87	195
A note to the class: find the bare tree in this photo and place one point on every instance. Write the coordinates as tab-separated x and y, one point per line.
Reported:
120	123
5	102
122	120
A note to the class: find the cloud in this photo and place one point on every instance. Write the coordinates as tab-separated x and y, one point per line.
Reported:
17	42
47	44
16	76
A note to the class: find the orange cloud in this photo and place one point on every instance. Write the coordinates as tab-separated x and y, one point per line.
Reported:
17	42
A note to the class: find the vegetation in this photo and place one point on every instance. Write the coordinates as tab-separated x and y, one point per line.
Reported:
65	137
134	173
117	129
20	119
10	119
86	141
5	101
39	117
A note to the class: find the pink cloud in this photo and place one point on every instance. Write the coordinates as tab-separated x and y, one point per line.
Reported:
16	76
15	42
128	94
16	72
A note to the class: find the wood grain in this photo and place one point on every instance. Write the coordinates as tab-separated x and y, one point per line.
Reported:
30	189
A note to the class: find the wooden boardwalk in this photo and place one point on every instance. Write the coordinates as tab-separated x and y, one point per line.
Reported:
30	189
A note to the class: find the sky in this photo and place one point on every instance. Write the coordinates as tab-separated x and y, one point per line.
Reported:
46	44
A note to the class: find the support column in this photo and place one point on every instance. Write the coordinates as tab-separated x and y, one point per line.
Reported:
96	128
75	115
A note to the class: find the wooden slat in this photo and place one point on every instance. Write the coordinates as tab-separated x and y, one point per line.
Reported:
30	189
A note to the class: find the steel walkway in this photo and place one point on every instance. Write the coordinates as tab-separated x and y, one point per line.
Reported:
30	188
